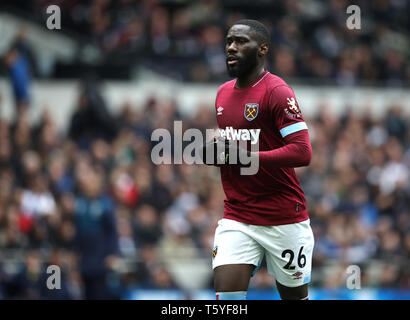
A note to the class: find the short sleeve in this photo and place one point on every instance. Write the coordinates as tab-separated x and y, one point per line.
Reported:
285	111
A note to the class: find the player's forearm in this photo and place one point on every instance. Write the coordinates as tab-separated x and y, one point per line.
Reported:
296	153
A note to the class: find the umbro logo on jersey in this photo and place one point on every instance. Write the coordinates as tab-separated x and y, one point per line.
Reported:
219	111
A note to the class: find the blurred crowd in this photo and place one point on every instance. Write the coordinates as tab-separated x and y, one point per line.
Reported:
185	39
91	201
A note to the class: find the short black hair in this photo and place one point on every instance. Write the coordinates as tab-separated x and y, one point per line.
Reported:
258	28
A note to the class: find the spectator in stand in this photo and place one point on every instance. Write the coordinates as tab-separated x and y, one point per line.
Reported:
96	240
109	201
19	61
92	120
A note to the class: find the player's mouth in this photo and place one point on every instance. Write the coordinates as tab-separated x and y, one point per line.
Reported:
232	60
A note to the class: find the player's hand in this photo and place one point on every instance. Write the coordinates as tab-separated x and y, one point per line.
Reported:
211	150
236	155
224	152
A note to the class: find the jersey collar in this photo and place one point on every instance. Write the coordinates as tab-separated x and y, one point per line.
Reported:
254	83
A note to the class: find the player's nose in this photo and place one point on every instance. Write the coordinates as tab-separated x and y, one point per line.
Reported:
231	47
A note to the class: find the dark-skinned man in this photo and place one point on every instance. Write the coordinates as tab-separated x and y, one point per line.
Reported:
265	214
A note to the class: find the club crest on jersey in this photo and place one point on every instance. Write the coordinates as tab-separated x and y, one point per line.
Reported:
251	111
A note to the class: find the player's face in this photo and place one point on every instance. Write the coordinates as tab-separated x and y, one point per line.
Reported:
241	51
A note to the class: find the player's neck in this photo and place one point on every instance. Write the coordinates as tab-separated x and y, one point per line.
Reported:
245	81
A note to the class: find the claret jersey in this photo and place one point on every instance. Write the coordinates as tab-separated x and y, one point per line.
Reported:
266	110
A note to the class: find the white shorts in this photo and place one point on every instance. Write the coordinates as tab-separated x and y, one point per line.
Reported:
288	249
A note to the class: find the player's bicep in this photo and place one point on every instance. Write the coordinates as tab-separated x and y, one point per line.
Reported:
286	112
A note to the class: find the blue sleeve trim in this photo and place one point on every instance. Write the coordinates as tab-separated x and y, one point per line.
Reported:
293	128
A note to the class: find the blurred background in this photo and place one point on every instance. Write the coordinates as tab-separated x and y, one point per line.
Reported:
78	105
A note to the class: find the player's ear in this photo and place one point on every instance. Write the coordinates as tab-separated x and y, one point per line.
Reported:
263	49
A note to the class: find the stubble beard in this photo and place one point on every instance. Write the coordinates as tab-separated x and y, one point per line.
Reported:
244	66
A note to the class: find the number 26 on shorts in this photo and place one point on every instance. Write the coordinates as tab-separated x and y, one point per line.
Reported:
301	260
